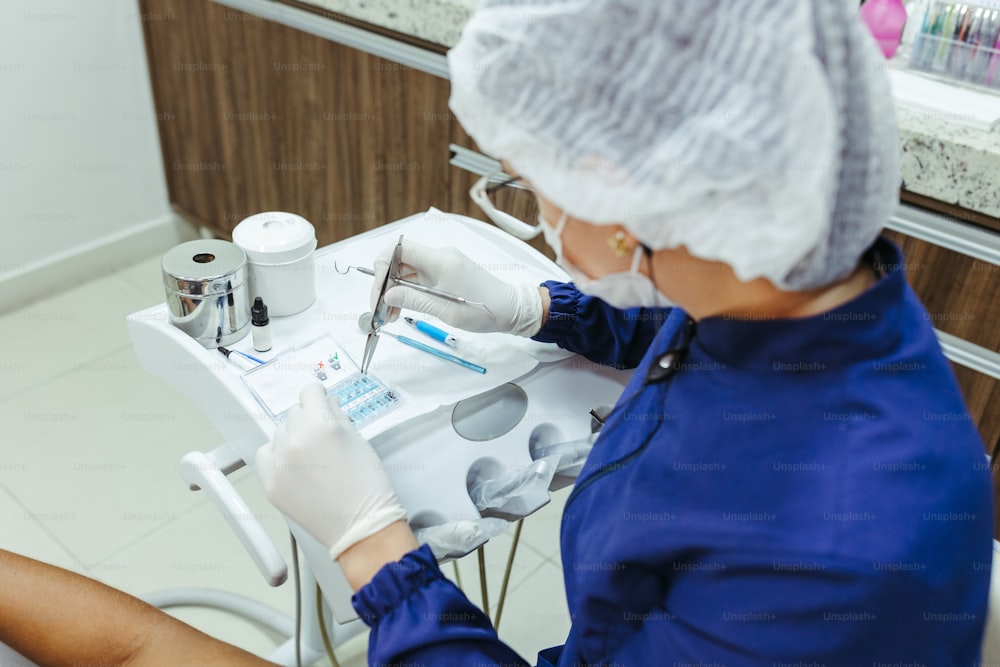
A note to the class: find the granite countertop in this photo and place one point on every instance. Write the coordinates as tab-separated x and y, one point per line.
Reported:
950	160
438	21
945	157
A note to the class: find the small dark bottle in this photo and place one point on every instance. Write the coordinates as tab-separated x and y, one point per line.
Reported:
260	326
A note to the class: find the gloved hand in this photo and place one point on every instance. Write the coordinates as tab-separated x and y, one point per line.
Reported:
515	309
320	472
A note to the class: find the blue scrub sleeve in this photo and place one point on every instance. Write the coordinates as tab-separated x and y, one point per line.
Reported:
590	327
418	617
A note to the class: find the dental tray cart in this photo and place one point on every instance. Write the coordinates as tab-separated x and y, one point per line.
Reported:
429	463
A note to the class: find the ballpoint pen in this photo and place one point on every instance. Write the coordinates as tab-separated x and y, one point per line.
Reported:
946	29
981	40
934	36
246	361
439	335
974	40
441	354
956	57
923	42
994	40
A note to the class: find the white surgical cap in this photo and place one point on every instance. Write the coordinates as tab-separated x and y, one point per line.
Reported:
760	133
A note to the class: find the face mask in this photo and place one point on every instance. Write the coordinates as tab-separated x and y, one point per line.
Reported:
553	237
625	289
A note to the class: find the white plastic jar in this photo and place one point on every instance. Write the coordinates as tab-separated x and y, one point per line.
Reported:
280	248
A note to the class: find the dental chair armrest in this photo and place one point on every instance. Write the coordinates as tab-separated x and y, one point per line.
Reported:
198	470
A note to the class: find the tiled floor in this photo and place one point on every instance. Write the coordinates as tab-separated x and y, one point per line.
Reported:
88	477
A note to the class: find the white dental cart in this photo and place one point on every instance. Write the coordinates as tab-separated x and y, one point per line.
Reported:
428	462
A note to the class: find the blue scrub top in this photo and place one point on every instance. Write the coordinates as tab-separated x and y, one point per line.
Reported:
766	492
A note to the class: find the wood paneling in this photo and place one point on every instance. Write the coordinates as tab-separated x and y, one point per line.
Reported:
960	292
255	116
952	211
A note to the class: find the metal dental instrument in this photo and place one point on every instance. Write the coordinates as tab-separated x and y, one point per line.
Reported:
430	290
381	308
441	354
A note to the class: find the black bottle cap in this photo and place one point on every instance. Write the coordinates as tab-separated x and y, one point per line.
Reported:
258	313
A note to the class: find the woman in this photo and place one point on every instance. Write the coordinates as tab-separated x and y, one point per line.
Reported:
769	488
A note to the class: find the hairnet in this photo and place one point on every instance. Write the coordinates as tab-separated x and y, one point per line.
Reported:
760	134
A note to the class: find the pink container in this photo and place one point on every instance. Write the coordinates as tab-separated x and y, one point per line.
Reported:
886	20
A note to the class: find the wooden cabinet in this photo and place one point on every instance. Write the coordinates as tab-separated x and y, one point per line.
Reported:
256	116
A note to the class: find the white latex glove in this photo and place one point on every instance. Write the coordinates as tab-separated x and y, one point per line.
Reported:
516	309
320	472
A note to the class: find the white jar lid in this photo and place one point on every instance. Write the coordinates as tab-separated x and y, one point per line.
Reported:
275	237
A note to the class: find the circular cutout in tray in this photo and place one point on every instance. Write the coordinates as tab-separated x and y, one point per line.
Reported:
490	414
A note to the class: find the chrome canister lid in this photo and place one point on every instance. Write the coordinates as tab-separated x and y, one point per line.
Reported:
209	266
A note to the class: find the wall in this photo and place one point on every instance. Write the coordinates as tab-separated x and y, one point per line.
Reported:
81	177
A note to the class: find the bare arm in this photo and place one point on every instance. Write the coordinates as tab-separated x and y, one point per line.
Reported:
362	561
543	292
56	617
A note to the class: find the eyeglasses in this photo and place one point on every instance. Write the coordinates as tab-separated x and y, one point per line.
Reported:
488	185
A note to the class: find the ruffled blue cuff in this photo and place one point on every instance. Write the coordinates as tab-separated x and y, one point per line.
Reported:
394	583
563	312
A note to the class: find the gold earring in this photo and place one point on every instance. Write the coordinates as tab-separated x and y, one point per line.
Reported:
620	244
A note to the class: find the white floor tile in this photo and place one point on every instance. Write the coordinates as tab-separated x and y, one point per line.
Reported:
22	534
96	453
353	653
146	277
51	338
10	658
541	529
535	616
526	561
